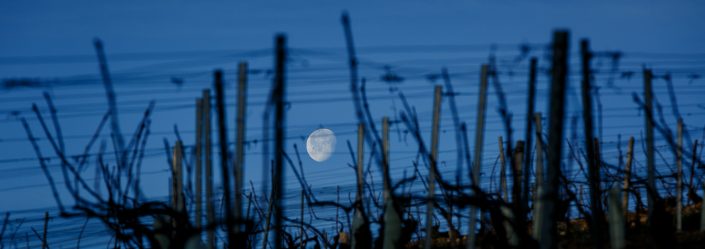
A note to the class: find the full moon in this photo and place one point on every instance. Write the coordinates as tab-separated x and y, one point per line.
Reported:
320	144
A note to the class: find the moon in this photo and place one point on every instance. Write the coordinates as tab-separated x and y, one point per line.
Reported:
320	144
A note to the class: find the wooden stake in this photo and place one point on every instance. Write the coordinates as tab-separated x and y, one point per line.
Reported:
177	184
433	160
360	232
360	163
392	218
199	166
223	145
210	207
592	157
679	177
628	175
516	176
529	134
177	178
479	140
386	181
650	164
279	97
539	178
517	212
239	160
616	220
559	75
502	171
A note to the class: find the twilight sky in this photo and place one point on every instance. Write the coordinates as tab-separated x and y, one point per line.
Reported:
152	44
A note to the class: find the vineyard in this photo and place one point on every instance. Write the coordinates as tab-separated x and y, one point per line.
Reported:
528	145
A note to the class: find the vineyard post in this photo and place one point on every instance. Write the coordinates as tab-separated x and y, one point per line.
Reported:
392	218
177	195
502	170
479	137
386	184
536	231
360	164
239	159
528	135
616	219
627	175
592	158
516	176
433	169
223	147
648	119
279	97
199	161
359	169
559	75
516	194
208	149
360	232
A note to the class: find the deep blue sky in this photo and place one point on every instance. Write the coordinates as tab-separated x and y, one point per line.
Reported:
148	43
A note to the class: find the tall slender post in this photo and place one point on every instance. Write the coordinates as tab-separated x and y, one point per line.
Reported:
559	82
279	97
112	102
502	170
177	178
199	162
616	220
650	163
177	185
517	174
239	159
360	164
360	231
529	134
539	179
386	181
628	175
392	218
433	160
223	145
208	161
517	214
479	140
592	162
679	177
